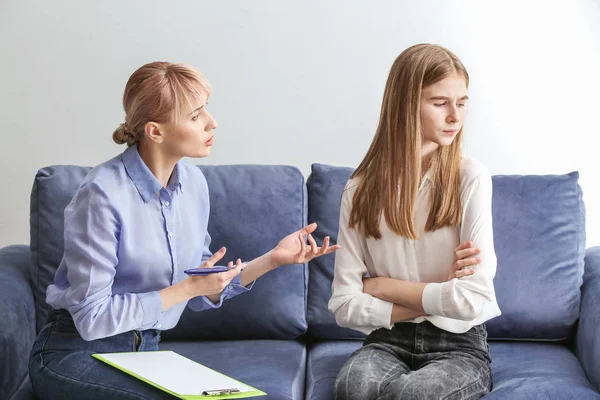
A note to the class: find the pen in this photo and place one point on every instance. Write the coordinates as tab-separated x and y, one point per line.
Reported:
219	391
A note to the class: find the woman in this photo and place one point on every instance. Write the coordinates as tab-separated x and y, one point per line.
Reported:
405	212
136	223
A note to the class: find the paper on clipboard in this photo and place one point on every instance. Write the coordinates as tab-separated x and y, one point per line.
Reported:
176	374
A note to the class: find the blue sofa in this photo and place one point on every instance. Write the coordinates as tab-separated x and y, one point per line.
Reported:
281	338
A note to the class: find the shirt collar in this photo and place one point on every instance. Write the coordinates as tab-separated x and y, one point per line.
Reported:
426	177
143	179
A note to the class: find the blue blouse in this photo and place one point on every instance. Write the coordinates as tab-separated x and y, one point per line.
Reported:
126	237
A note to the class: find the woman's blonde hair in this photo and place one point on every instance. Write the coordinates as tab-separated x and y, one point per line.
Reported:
391	170
159	92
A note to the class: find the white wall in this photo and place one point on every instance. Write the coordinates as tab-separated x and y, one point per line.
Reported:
297	82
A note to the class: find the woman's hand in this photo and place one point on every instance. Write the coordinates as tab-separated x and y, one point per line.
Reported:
213	284
293	249
463	261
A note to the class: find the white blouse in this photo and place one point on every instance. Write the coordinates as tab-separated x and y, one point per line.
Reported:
456	305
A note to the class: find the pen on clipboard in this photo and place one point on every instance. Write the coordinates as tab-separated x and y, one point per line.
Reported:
220	391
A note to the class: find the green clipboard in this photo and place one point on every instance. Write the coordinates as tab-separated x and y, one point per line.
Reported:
149	366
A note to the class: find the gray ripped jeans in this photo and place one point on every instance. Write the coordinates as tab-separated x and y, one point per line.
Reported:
417	361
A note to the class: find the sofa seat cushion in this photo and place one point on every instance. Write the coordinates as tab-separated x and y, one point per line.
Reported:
325	360
521	370
537	371
277	367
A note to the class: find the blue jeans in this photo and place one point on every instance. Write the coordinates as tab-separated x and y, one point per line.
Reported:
61	365
417	361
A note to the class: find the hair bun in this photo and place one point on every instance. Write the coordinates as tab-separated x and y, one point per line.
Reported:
123	135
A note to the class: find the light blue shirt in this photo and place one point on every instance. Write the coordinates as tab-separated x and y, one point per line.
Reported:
126	237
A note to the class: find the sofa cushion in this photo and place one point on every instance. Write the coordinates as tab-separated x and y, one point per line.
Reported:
252	208
277	367
53	189
324	186
539	238
537	371
325	360
520	371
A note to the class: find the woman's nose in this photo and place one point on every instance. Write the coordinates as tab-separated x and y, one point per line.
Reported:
212	123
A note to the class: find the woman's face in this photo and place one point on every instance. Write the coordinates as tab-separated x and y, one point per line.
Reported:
443	109
193	136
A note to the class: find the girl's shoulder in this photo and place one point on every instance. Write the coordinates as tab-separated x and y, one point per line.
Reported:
471	170
352	185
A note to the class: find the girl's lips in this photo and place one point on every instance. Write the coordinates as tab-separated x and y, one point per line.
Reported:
450	133
209	142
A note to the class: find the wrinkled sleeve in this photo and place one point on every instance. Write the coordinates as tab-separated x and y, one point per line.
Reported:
465	298
91	238
353	308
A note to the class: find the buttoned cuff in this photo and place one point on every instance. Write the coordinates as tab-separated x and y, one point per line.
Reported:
151	308
432	299
380	313
234	288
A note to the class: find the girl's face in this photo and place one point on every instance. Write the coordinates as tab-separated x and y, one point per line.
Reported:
443	109
194	135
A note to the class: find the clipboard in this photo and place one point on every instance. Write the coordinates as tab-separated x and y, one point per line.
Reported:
178	375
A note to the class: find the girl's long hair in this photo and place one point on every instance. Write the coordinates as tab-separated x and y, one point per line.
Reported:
391	170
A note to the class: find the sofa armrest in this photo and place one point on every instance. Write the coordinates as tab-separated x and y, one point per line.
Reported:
17	326
588	340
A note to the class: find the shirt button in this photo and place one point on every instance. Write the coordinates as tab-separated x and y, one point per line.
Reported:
230	287
174	265
158	326
170	234
166	204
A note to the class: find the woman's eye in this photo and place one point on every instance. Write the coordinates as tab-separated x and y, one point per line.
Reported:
195	117
439	105
461	104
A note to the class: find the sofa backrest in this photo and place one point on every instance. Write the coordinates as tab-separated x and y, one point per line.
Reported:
252	208
539	238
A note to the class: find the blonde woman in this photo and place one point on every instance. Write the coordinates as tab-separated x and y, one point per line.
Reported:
416	217
127	236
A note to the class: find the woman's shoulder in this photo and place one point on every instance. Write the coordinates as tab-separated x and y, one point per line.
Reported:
471	170
106	175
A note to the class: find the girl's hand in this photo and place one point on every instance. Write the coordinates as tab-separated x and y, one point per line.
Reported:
371	285
293	249
212	284
463	261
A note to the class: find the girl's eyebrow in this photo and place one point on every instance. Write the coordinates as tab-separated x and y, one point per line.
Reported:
447	98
